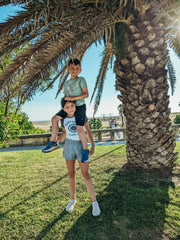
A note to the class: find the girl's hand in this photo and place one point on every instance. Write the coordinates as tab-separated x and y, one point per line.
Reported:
92	150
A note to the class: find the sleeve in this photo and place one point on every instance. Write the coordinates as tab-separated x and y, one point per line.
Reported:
83	82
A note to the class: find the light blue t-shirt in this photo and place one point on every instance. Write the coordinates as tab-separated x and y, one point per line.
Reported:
74	88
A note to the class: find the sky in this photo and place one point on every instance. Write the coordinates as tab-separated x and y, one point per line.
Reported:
44	106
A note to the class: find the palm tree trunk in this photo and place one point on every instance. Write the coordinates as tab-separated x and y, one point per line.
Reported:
142	81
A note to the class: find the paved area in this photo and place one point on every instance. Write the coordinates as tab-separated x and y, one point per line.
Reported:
24	148
104	143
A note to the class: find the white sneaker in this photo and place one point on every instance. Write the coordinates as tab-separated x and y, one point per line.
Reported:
95	209
70	205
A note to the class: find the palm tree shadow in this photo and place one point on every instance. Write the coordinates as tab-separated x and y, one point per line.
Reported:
2	214
133	207
43	233
11	192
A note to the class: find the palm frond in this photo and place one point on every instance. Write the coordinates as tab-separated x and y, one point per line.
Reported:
19	24
7	2
171	75
62	81
60	74
62	46
105	3
37	14
9	45
23	58
56	51
174	43
101	76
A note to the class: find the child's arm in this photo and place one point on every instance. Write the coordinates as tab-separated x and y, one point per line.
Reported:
89	133
61	136
84	94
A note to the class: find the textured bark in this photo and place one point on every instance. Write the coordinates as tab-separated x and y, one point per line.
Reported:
142	81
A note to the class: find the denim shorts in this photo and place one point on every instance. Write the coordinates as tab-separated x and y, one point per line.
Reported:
80	115
72	150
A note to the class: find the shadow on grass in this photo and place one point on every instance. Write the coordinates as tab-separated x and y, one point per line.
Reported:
133	207
46	187
95	159
11	192
43	233
32	195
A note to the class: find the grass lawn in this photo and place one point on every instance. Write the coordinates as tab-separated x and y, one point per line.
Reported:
34	193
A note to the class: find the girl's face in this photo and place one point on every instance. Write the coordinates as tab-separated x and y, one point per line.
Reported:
70	109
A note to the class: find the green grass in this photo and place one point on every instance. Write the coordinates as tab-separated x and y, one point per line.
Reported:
34	193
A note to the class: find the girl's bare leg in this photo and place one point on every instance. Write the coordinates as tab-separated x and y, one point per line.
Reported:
72	173
88	181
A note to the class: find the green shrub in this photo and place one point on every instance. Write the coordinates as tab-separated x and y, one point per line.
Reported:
95	123
177	119
27	126
9	125
14	124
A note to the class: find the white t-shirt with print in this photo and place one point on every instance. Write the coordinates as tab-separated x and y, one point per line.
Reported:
70	126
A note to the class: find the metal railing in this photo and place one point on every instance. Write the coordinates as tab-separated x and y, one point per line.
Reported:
108	134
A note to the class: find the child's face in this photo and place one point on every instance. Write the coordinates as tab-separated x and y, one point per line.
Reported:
74	70
70	108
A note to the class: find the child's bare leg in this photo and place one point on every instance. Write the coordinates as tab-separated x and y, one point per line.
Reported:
88	181
55	127
72	173
82	136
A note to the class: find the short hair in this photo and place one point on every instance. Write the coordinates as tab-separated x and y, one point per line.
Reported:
74	61
63	102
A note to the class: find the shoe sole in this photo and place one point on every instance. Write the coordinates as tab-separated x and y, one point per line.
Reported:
51	149
96	215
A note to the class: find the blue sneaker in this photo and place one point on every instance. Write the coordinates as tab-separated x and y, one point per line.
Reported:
50	147
85	155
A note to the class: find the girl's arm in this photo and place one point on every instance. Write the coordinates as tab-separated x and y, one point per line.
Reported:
90	136
61	136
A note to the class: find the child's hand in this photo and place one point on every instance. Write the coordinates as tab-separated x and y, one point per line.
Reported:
68	99
92	150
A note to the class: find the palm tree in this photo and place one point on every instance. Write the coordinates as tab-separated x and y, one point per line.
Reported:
137	33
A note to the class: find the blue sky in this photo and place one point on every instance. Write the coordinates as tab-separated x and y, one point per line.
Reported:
44	106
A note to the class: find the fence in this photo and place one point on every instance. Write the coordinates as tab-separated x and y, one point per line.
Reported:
98	134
